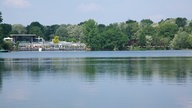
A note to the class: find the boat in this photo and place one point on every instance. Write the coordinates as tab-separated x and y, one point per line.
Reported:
4	50
40	49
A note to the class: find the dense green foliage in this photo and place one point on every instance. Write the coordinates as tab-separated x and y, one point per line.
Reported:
171	33
1	32
1	19
56	39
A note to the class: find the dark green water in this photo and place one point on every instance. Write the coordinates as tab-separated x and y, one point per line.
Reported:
95	82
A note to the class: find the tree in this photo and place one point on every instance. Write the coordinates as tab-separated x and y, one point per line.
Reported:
166	32
189	41
36	28
132	28
1	19
181	22
56	39
62	32
6	29
114	38
1	32
167	29
142	39
18	29
164	42
180	40
90	32
1	37
7	45
75	33
50	31
149	30
146	22
189	28
149	40
36	24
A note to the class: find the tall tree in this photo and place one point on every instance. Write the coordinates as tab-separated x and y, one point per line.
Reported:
114	38
181	22
167	29
62	32
147	28
142	38
1	32
75	33
146	22
36	28
18	29
50	32
189	41
180	40
1	19
90	32
6	29
131	29
189	28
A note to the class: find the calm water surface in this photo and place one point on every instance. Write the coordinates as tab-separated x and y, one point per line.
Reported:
135	79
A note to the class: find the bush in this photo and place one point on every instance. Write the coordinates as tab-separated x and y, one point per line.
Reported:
7	45
180	41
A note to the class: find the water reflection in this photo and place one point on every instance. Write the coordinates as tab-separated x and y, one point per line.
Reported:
90	82
176	70
1	71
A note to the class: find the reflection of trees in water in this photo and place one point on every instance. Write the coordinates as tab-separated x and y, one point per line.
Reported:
1	71
115	68
175	69
131	73
93	68
89	70
1	81
146	69
181	72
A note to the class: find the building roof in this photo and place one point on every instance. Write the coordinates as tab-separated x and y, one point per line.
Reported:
22	35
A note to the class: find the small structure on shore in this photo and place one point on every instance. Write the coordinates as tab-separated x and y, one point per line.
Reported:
28	38
8	39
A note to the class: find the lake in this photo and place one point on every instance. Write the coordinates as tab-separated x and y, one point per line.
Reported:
119	79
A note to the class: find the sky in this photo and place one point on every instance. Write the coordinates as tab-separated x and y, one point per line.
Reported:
49	12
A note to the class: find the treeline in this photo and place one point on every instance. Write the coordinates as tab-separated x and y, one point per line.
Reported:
172	33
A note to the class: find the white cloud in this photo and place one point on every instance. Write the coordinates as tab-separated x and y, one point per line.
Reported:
89	7
17	3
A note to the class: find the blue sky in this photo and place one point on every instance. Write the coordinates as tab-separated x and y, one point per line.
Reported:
49	12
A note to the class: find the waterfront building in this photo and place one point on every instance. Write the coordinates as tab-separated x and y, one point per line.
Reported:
26	38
